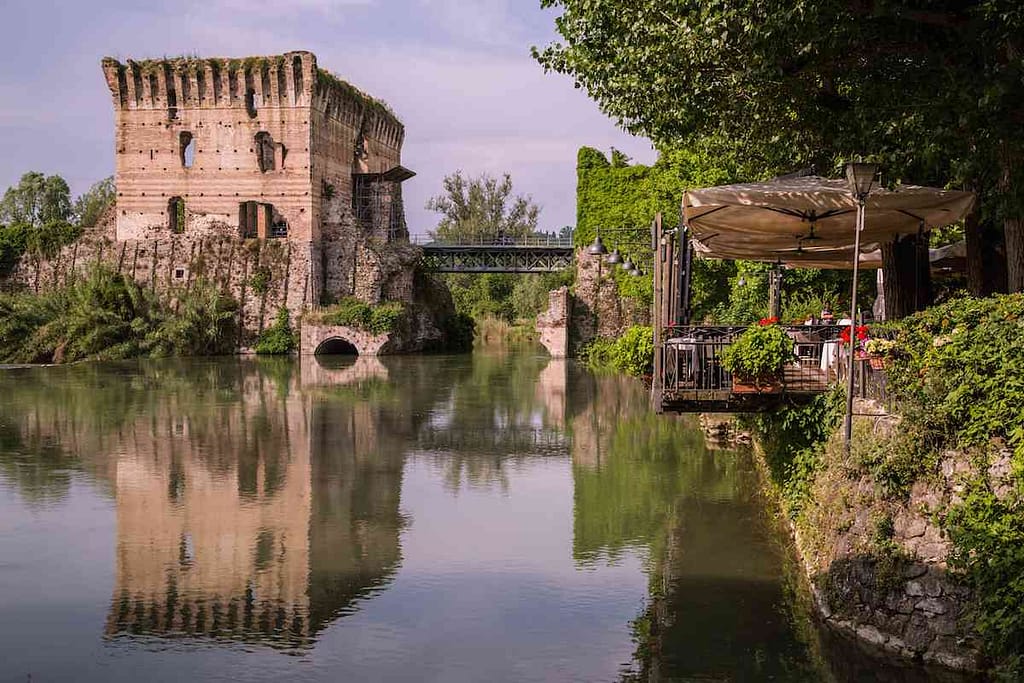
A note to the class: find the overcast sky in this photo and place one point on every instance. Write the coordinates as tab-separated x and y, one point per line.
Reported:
457	72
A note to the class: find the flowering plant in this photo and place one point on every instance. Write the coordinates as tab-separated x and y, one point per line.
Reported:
881	347
862	336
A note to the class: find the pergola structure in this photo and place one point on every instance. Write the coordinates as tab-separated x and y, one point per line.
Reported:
804	221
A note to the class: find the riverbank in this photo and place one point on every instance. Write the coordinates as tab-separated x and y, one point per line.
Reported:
912	538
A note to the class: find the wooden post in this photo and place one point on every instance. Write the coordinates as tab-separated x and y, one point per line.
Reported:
656	318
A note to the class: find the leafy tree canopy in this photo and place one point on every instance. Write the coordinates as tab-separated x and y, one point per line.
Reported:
36	200
482	208
924	85
89	207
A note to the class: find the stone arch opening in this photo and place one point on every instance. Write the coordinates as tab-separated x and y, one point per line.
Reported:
336	346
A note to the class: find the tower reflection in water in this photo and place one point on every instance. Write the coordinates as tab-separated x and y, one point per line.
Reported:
260	516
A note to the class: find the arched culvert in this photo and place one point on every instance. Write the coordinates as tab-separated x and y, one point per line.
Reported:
336	346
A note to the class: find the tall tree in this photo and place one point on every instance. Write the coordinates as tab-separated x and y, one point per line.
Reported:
36	201
929	88
482	208
89	207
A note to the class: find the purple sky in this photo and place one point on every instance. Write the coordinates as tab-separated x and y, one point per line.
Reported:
458	73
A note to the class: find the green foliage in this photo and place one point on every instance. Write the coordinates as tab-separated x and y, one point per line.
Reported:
260	279
351	312
776	78
89	207
13	241
108	316
958	376
988	546
793	439
482	208
632	353
759	353
36	200
385	318
279	338
960	373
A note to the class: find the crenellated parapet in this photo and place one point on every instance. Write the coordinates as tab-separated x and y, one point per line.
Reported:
251	83
344	102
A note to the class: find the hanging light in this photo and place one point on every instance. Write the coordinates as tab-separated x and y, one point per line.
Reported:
627	264
615	257
597	248
742	281
636	272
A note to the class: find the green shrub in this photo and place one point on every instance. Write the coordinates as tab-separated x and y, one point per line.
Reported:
386	317
108	316
632	353
348	312
279	338
260	280
759	353
351	312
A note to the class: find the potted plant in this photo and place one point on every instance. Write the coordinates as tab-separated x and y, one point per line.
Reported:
758	357
879	351
862	338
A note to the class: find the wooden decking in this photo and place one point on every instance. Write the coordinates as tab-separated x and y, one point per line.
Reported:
800	384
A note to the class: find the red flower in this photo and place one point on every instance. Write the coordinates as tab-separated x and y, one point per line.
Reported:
862	334
764	322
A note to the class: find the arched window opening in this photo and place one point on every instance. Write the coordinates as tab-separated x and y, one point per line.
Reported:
176	215
187	149
250	103
336	346
265	151
172	105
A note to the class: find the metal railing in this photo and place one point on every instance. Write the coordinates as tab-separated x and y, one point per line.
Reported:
489	241
691	358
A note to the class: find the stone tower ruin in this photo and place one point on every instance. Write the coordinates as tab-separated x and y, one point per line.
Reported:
227	168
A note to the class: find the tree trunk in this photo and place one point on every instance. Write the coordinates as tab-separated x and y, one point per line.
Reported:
977	283
906	276
1013	234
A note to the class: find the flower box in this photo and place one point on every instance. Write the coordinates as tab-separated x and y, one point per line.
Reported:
749	386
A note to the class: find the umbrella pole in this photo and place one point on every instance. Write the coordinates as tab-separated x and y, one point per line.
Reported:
848	425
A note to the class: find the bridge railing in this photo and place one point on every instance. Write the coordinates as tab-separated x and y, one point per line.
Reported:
529	241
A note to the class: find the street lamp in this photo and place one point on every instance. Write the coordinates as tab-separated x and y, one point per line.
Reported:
597	248
860	177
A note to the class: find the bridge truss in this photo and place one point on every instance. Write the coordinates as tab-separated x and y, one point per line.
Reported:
521	256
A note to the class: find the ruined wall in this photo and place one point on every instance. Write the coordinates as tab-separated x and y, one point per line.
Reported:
553	323
221	106
355	139
246	172
261	276
597	308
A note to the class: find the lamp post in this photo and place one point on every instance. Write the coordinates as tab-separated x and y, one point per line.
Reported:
860	177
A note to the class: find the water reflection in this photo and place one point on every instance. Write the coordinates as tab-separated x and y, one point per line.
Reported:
261	502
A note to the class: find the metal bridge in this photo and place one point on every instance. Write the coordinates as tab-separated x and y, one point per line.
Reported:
535	254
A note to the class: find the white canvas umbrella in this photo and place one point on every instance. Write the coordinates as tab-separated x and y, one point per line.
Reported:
810	219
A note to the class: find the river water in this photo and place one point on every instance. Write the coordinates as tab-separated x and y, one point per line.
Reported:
472	518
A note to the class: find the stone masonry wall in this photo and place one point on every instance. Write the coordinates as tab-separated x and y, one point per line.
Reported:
907	600
553	323
598	310
236	266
